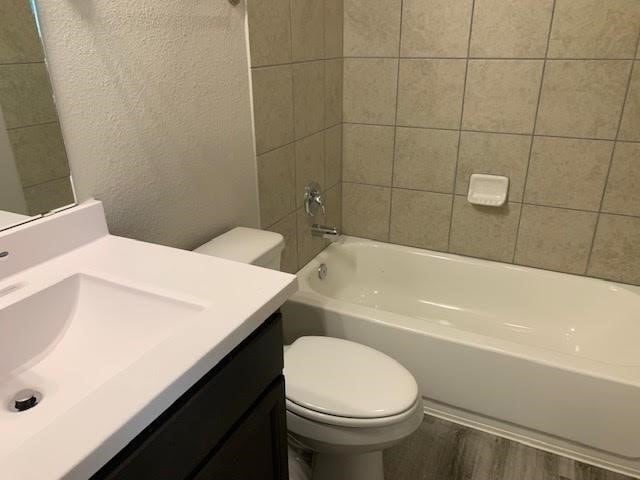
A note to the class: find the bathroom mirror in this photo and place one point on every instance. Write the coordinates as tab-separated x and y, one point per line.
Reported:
34	171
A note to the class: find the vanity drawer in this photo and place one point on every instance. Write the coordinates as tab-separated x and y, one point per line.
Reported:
176	444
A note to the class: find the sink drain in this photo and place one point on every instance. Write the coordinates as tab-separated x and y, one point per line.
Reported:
24	400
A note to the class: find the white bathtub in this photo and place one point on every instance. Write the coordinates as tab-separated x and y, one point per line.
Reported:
548	359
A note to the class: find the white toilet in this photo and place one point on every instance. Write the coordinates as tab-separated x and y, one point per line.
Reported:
345	402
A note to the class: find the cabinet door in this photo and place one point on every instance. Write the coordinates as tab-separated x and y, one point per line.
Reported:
182	438
257	448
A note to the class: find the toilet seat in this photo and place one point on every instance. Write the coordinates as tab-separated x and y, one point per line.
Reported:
324	437
347	421
342	383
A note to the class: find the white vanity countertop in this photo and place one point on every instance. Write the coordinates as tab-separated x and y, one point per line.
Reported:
232	300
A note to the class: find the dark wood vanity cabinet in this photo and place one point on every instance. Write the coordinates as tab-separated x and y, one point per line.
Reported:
231	425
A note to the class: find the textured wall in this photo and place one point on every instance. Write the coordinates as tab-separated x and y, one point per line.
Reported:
153	97
546	92
31	120
296	50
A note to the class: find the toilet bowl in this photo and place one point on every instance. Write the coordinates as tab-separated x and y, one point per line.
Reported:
346	402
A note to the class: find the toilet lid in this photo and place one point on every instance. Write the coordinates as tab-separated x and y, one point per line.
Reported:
341	378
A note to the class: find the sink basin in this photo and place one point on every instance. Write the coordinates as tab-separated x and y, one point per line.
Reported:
67	340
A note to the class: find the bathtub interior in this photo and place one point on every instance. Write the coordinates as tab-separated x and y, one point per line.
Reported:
565	313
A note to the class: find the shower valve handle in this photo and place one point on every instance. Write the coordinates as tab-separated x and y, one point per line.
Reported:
313	200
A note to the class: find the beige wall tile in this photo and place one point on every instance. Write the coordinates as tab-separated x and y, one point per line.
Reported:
287	227
308	98
502	95
309	164
484	232
273	106
630	128
616	249
368	154
493	154
595	29
582	98
425	159
333	23
333	198
308	29
430	93
25	95
370	87
39	153
568	173
555	239
435	28
511	29
365	211
269	31
19	41
371	28
276	184
333	92
332	156
48	196
623	187
420	219
308	245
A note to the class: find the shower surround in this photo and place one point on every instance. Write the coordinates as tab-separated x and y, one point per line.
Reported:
545	92
392	104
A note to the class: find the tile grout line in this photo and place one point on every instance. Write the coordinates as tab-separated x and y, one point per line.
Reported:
55	179
324	114
292	62
395	123
490	132
324	135
324	93
461	195
324	129
464	94
612	157
341	179
295	159
12	64
551	59
21	127
533	132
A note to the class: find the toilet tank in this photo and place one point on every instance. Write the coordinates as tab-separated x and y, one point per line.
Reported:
247	245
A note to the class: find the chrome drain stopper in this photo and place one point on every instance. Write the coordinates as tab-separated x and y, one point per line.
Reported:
25	400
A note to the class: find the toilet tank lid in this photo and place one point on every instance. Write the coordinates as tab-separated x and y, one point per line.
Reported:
246	245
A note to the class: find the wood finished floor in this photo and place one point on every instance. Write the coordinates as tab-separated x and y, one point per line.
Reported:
441	450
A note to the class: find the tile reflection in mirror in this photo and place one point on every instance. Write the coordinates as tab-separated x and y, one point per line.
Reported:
34	171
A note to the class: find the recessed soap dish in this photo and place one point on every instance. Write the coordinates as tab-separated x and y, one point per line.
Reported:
488	190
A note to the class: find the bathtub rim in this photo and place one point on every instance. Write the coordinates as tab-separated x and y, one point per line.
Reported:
610	372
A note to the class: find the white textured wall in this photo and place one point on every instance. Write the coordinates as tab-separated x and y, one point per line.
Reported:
153	97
